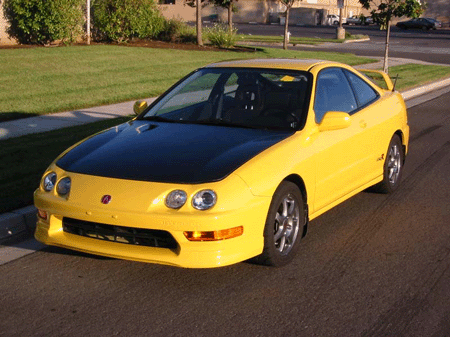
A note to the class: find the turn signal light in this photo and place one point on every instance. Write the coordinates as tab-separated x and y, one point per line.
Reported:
214	235
42	214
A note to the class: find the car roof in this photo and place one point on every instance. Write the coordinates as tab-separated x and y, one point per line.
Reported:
294	64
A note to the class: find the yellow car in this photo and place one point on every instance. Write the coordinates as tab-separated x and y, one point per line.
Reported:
229	164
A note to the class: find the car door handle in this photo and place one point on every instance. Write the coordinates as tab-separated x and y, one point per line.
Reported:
362	124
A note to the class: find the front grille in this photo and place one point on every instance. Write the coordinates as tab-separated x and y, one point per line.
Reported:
127	235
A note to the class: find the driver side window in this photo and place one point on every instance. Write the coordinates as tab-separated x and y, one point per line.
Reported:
333	93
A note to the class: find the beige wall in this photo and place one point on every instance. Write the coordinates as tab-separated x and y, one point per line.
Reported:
264	11
436	9
4	38
178	11
351	7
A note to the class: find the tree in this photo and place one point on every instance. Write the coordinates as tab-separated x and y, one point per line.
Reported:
229	5
384	10
288	4
198	5
199	22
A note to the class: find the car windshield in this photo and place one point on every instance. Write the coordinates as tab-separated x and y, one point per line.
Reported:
252	98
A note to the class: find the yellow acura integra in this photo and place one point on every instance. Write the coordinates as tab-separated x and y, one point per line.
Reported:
229	164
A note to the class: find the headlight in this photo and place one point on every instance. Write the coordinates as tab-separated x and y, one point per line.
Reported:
176	199
49	181
204	200
63	187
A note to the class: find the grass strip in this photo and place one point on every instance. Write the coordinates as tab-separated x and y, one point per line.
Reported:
45	80
413	75
24	160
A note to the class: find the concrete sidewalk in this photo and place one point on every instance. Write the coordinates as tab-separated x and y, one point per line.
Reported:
21	223
25	126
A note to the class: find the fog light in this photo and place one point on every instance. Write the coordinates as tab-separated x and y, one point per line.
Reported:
214	235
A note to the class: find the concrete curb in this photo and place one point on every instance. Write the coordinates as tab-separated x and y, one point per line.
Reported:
22	222
294	44
357	40
425	89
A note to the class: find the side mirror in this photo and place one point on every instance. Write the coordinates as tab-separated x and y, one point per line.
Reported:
335	120
139	107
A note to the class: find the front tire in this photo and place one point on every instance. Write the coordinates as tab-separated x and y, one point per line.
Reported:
393	167
285	225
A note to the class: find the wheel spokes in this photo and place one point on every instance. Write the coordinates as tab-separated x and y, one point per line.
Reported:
286	225
394	164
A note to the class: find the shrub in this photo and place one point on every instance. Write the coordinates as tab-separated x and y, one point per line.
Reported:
43	21
220	36
177	31
121	20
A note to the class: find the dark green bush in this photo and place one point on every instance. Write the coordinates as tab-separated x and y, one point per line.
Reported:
177	31
43	21
121	20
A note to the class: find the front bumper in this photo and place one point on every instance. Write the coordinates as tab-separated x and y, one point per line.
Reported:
251	214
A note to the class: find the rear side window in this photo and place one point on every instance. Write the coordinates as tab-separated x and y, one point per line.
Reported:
363	92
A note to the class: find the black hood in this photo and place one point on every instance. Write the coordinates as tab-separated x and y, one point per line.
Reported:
168	152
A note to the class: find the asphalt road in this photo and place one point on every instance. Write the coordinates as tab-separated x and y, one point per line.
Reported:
430	46
376	265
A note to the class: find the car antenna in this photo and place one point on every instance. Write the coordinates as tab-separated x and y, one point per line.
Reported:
395	82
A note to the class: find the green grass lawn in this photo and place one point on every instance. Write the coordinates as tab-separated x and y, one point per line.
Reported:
44	80
411	75
24	160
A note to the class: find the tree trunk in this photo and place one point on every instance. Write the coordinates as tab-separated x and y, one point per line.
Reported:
199	22
386	49
88	22
230	14
286	24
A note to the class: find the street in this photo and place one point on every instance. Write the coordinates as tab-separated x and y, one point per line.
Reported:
430	46
376	265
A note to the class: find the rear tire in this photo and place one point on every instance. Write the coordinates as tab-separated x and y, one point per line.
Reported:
285	225
393	167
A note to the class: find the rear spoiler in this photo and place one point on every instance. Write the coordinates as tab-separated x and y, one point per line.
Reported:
389	85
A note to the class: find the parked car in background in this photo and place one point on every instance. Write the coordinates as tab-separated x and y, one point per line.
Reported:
333	19
420	23
359	20
437	23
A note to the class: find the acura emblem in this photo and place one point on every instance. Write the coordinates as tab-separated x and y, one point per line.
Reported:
106	199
